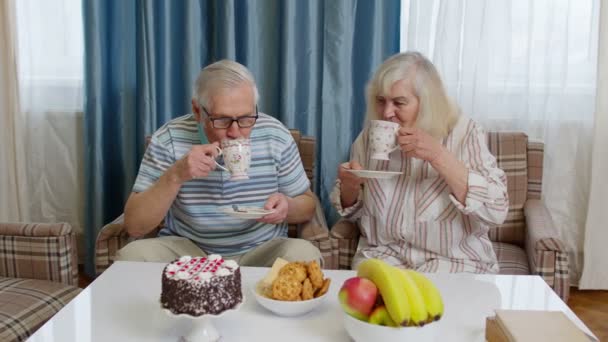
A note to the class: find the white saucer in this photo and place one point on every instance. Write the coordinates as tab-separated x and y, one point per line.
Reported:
249	212
375	174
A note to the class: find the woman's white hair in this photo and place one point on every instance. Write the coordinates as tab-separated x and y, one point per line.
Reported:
224	74
437	114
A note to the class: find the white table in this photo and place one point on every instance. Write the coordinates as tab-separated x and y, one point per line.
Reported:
123	305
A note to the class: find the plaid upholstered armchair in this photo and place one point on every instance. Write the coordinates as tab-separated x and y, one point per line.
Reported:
113	236
527	242
38	275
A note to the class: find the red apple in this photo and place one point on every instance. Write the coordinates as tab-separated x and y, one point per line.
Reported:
358	296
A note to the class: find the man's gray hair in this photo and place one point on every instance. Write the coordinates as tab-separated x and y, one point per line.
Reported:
437	114
224	74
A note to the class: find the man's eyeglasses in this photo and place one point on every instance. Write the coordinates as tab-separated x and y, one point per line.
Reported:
224	122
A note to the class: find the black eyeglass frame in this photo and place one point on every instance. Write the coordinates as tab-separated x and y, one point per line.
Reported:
232	120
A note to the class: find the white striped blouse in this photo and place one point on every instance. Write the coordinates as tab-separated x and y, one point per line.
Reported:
413	220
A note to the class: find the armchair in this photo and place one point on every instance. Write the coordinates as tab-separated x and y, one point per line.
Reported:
38	275
527	242
113	236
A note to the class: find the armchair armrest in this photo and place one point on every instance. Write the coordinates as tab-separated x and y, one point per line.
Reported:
112	237
43	251
346	233
547	254
317	232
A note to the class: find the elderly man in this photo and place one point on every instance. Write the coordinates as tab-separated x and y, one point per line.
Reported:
179	181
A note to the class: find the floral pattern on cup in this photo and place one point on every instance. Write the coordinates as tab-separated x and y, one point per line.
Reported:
382	138
237	157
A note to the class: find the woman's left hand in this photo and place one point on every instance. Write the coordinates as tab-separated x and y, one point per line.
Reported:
419	144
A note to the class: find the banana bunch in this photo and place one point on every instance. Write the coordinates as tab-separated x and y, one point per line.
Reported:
409	297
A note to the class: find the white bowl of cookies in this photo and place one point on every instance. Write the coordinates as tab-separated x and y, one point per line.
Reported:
292	288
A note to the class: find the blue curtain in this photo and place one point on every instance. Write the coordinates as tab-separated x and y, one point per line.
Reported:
311	60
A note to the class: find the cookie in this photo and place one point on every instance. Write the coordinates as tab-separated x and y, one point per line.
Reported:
294	269
307	290
315	274
286	287
321	291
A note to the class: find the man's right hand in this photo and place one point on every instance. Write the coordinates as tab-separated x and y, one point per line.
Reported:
197	163
349	180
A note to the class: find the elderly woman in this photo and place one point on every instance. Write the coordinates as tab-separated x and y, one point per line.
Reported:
435	215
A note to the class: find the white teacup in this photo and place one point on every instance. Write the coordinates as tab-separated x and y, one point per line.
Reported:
237	157
382	138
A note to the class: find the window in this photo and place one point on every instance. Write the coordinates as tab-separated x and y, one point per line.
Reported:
509	58
50	54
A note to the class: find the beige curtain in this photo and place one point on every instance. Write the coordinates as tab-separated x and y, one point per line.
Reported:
13	198
595	270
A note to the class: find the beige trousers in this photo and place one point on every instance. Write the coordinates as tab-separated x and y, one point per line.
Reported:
168	248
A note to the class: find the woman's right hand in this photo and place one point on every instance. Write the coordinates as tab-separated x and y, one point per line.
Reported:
350	183
349	180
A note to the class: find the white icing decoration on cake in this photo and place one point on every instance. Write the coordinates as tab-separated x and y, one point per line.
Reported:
204	276
172	268
231	264
182	275
200	269
223	272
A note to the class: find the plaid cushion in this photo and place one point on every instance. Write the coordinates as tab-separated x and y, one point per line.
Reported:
511	259
554	268
510	149
110	239
535	168
317	232
345	236
547	254
306	147
26	304
39	251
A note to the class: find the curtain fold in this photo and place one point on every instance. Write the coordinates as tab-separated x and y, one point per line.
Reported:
311	60
595	270
524	66
13	197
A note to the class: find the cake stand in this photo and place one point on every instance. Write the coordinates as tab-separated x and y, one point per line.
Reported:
201	327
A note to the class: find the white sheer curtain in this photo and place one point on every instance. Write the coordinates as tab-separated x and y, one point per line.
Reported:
13	202
528	66
47	127
595	271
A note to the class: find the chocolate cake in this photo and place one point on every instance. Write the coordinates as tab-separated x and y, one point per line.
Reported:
201	285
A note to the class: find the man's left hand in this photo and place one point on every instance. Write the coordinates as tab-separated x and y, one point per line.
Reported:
277	202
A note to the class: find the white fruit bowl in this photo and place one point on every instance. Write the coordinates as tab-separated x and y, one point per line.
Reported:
361	331
285	308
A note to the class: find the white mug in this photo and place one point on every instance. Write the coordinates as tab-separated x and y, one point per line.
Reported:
382	138
237	157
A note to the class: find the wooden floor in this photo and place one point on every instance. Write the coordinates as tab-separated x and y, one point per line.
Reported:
590	306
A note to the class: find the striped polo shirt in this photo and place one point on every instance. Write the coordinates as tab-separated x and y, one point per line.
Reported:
196	211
